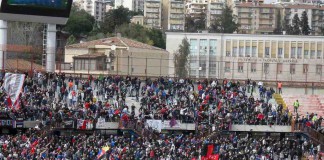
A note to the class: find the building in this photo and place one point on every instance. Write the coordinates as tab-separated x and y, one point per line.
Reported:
96	8
256	18
315	15
153	13
130	4
215	8
115	55
138	20
259	57
195	8
173	15
139	6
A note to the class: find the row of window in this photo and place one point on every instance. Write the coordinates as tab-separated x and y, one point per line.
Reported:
253	68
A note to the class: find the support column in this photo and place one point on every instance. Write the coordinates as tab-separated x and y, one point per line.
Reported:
3	43
50	47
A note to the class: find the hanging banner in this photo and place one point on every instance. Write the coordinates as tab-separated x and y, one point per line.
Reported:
13	84
154	124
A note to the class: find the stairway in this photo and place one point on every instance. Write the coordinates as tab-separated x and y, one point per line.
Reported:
280	100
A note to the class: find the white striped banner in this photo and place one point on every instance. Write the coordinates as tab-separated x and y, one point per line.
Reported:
13	84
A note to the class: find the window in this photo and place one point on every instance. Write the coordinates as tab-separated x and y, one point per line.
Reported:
228	53
241	49
279	68
292	68
305	54
267	52
193	46
305	68
254	51
279	52
240	67
299	52
203	46
293	52
319	69
212	68
266	68
253	67
212	46
247	51
227	66
312	54
319	54
234	51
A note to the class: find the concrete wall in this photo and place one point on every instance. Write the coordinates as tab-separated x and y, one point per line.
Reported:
261	128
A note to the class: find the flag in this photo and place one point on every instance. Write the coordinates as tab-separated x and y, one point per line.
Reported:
210	149
102	152
13	85
82	124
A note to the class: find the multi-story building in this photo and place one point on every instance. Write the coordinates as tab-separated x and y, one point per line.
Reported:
125	3
173	15
315	15
153	13
215	8
256	18
139	6
96	8
259	57
195	8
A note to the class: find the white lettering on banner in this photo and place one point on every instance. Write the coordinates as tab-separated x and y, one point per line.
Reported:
166	124
154	124
274	60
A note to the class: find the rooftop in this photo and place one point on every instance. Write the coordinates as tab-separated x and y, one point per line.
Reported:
117	41
91	56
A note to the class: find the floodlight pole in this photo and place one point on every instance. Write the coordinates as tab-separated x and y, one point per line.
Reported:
50	47
3	43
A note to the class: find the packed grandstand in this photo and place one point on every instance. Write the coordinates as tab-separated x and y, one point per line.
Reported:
58	116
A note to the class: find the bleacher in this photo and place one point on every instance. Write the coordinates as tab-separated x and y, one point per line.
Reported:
308	103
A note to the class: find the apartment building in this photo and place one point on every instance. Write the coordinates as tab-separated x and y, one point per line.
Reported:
315	15
215	8
259	57
130	4
196	7
153	13
96	8
256	18
173	15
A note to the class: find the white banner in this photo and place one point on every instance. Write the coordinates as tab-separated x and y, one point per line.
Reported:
167	125
154	124
13	84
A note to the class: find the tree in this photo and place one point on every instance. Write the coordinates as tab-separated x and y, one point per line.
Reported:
195	24
71	40
190	24
139	33
278	29
80	22
305	29
181	59
225	23
295	25
287	27
115	18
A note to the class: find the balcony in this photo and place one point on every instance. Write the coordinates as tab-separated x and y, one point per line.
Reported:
266	17
244	10
152	10
245	16
180	11
176	22
176	16
152	5
177	5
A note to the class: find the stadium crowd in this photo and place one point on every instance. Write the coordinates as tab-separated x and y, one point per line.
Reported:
56	98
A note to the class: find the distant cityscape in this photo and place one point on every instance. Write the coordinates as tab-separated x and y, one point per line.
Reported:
254	17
